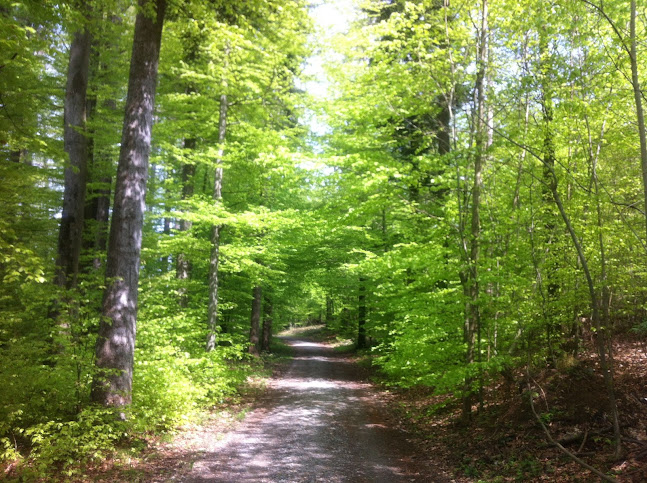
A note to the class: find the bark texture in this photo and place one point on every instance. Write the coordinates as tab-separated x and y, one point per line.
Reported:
76	146
267	324
254	331
115	348
361	316
183	268
640	116
212	317
472	316
97	202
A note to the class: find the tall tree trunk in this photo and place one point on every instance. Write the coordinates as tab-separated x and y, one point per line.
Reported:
635	82
100	168
167	259
112	384
329	310
551	185
76	145
183	268
552	284
254	331
602	321
16	156
361	314
267	323
443	135
472	319
183	265
551	265
212	317
601	332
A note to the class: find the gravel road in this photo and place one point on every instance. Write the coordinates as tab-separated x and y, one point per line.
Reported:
320	422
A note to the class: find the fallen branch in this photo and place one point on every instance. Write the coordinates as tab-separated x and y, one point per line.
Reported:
561	448
574	437
579	450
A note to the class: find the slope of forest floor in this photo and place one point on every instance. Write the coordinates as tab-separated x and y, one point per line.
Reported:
505	443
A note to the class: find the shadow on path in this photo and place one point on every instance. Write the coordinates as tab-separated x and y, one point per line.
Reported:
320	422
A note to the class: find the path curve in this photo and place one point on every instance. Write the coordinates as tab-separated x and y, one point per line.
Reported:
320	422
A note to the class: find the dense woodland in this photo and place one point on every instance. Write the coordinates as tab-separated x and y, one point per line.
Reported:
472	211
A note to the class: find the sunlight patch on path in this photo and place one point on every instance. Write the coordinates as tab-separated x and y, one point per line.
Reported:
320	422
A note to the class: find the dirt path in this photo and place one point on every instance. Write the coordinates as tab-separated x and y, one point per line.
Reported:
320	422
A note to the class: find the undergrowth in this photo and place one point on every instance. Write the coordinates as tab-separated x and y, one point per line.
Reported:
50	430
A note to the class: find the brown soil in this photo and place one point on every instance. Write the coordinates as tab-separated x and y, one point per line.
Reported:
505	443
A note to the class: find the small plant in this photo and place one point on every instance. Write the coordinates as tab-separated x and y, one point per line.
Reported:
469	467
64	444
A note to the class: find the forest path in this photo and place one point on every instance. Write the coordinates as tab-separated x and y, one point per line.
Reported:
320	421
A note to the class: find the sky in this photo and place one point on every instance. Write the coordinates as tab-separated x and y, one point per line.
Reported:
331	17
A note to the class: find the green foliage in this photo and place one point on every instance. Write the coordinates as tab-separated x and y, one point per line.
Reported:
171	389
91	436
382	211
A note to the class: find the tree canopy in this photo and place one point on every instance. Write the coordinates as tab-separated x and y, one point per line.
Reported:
470	203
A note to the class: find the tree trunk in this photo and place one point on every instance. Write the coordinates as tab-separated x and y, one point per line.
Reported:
361	314
212	317
76	145
635	82
443	135
329	310
551	264
472	319
267	324
112	384
601	332
168	220
183	268
17	155
254	331
100	167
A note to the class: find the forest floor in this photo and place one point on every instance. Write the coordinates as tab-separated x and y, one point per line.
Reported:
320	419
505	443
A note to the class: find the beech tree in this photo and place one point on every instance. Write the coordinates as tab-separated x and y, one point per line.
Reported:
214	261
116	342
76	146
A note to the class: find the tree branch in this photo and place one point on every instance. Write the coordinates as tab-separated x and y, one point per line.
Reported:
560	447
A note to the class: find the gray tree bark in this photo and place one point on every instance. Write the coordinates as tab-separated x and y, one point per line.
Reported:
183	267
97	202
640	116
361	314
254	331
329	310
472	317
212	316
76	146
112	384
